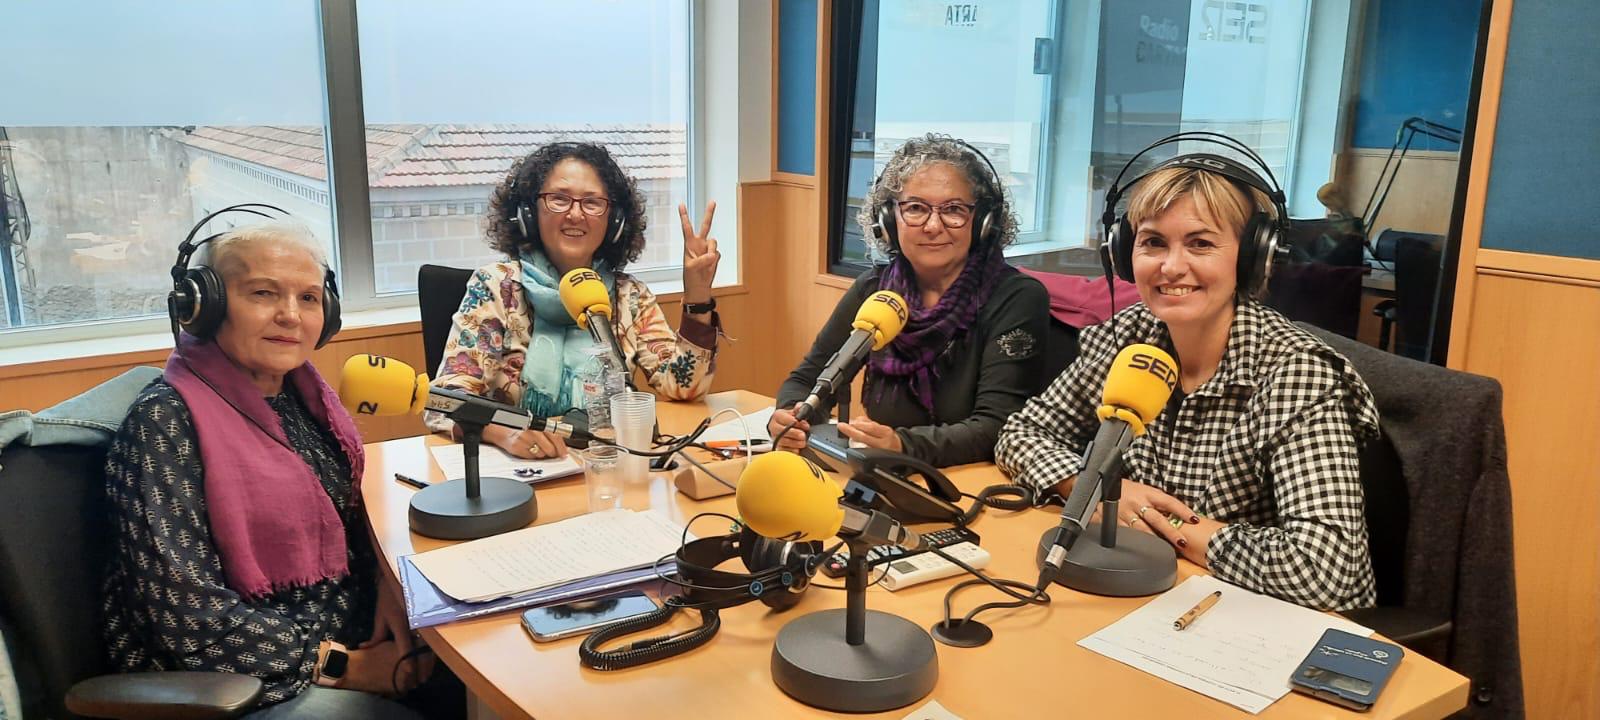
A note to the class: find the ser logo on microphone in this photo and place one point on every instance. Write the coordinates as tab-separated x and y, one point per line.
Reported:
893	301
1157	367
580	277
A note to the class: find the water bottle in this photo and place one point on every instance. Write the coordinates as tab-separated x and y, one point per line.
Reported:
600	383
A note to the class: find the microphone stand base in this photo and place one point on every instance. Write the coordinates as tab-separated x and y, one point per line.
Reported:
962	633
1141	563
444	511
895	667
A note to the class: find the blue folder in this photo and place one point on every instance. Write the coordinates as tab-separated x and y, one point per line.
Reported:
427	606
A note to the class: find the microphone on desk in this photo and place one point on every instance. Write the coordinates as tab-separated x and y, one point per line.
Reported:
879	320
785	497
1138	385
464	508
586	299
378	385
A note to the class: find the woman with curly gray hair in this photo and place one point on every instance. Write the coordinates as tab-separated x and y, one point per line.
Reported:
971	353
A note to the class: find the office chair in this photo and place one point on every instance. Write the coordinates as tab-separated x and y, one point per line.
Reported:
439	293
55	542
1416	259
1060	349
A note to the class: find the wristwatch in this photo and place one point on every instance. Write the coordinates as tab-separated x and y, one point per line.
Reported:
332	662
700	308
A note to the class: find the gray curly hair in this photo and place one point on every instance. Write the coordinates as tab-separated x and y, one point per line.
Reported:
918	153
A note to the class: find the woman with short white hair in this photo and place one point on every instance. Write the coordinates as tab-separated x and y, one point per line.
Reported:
235	488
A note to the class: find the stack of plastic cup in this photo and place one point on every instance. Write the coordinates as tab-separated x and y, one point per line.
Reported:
633	414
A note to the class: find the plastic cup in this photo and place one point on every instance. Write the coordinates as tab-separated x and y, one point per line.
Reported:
633	415
602	476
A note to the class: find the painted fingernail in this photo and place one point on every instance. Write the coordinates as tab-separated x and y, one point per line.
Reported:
1194	519
1183	543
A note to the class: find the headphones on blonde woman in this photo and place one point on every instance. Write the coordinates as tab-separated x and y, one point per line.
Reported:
198	302
527	220
778	574
1260	238
986	215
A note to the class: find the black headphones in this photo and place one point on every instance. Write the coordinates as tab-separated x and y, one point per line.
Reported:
199	301
1258	241
527	221
986	215
779	573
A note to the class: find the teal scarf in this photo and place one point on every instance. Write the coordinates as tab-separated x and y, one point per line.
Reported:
552	382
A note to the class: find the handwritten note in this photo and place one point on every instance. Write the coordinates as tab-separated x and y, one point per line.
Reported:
545	555
494	462
1241	652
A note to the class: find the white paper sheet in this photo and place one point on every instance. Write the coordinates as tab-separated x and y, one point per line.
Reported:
732	430
545	555
494	462
1242	651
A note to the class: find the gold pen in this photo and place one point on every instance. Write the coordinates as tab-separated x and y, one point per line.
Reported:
1195	612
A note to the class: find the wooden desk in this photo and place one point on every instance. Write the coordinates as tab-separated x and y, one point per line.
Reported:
1033	667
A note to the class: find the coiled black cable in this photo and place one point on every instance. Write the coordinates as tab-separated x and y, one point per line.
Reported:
649	650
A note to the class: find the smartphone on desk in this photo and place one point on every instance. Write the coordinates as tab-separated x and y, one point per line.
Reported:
581	617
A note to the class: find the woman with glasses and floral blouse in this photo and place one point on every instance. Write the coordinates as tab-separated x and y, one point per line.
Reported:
972	351
567	206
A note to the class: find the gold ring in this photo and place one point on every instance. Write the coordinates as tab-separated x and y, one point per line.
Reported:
1132	519
1142	511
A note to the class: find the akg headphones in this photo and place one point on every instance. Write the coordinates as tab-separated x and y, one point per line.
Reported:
527	221
986	215
1258	241
779	572
199	302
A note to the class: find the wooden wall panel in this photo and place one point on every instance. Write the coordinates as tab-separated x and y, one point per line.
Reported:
1538	338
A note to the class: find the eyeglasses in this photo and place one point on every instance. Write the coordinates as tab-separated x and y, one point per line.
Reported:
560	203
953	214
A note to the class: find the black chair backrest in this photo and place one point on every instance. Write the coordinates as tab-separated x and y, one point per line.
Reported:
1388	513
439	293
1417	267
55	542
1060	349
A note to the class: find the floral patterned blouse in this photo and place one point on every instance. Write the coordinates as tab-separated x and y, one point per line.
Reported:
489	337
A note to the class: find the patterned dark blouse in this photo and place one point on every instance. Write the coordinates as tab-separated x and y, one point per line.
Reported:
166	604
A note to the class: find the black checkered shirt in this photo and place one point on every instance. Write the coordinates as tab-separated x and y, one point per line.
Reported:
1268	445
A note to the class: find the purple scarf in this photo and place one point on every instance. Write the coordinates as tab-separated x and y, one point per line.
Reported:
911	356
273	523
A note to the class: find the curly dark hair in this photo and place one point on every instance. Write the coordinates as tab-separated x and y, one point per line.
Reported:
521	186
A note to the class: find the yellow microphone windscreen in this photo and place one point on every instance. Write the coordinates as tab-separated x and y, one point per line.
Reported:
583	291
378	385
1142	378
783	496
883	314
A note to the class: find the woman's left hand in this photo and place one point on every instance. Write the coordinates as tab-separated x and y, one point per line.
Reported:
1198	536
872	434
700	255
390	624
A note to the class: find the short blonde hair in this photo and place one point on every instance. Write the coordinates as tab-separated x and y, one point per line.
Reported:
222	253
1229	203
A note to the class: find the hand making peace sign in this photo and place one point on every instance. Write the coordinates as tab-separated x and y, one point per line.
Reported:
700	255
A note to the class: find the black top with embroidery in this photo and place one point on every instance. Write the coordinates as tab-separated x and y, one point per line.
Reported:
985	374
1269	445
167	605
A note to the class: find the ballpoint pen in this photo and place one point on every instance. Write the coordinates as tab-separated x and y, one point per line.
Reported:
413	482
1195	612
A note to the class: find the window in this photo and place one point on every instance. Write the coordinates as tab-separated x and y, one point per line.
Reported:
122	124
147	117
455	93
1059	95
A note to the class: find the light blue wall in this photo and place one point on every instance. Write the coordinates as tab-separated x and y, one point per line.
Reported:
797	86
